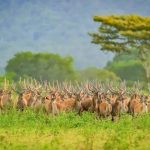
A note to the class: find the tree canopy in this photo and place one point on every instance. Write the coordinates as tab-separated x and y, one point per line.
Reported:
120	33
43	66
127	67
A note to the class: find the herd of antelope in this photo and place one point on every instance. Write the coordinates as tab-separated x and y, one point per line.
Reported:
104	100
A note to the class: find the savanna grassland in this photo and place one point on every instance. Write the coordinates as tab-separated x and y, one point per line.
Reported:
37	131
73	98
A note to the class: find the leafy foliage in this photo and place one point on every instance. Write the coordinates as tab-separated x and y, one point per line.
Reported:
133	70
127	67
118	33
122	33
96	74
43	66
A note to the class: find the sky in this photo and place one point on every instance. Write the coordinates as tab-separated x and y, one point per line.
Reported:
59	26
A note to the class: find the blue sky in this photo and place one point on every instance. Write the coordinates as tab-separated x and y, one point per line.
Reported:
59	26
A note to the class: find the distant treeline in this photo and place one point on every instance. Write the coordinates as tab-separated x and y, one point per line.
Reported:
48	66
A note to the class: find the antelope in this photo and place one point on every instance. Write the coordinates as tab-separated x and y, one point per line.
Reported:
83	102
137	105
104	108
5	95
37	101
49	106
30	95
119	102
95	97
24	100
54	103
116	109
70	100
5	98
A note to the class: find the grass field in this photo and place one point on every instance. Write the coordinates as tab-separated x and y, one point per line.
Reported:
28	130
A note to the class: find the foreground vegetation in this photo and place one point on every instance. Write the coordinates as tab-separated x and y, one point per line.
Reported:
29	130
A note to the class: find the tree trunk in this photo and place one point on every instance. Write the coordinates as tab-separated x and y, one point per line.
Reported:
146	65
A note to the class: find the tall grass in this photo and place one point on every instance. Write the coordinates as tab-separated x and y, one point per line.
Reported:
30	130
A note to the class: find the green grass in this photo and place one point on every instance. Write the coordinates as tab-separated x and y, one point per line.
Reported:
28	130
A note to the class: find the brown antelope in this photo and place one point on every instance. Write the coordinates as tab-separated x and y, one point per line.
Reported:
116	109
119	102
53	103
112	98
70	104
83	102
29	96
103	107
24	100
137	105
70	100
47	102
5	98
67	104
144	101
96	97
37	102
125	102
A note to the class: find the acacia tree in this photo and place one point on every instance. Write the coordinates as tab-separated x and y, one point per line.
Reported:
122	33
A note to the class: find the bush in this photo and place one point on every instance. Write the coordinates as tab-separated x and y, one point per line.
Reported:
96	74
43	66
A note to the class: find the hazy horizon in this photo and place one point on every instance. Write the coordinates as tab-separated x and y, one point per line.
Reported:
58	26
